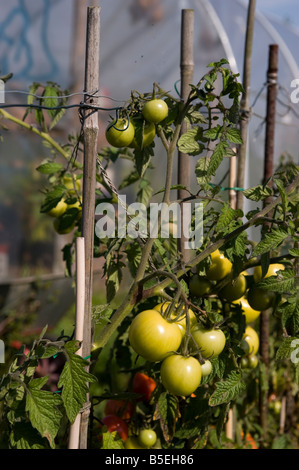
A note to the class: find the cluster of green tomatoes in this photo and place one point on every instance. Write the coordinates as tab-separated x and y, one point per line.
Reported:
158	334
123	132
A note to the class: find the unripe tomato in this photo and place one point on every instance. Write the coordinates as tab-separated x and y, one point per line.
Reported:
147	438
250	314
220	266
120	133
251	340
260	299
180	375
122	408
153	337
59	209
234	289
206	368
114	423
272	270
72	183
211	342
199	285
60	230
181	321
253	361
155	110
148	135
143	385
132	443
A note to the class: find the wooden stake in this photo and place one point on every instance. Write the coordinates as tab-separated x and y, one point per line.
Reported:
187	69
244	105
90	130
268	171
80	302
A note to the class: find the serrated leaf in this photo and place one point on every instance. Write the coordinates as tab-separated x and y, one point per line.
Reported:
114	276
201	171
287	348
214	133
270	241
227	215
280	283
143	159
52	198
112	440
73	380
290	316
50	99
228	389
42	407
284	197
24	436
167	411
188	142
49	168
234	135
258	193
101	314
216	158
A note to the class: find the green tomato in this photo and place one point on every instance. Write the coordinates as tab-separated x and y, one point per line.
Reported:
181	321
250	314
272	270
253	361
120	133
251	341
132	443
206	368
147	438
155	110
59	209
234	289
72	183
153	337
147	134
180	375
211	342
220	266
60	230
199	285
260	299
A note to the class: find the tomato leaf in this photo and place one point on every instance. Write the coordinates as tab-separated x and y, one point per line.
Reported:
258	193
188	142
228	389
73	381
217	157
42	407
270	241
167	411
112	440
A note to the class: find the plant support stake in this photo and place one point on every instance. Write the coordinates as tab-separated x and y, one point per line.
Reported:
80	302
187	69
90	133
268	172
244	104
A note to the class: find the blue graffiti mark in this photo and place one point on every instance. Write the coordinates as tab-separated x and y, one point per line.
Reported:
23	49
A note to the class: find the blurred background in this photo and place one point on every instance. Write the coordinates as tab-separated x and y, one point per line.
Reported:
44	41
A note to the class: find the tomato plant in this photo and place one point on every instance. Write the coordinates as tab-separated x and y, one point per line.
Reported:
179	333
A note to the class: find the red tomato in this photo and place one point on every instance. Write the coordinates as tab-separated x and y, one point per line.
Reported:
122	408
144	385
115	423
